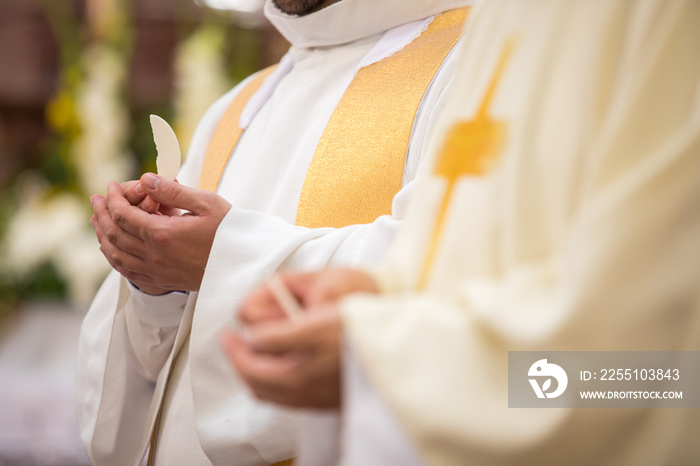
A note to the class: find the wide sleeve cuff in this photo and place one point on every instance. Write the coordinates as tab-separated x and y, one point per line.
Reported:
158	311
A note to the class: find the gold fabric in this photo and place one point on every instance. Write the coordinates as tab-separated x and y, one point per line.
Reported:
357	168
227	133
285	463
471	148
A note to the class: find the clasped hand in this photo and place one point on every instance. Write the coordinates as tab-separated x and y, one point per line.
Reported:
295	362
146	238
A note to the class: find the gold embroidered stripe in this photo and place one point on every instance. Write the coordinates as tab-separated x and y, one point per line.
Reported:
357	168
227	133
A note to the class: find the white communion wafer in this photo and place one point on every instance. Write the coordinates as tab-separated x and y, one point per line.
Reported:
167	146
285	299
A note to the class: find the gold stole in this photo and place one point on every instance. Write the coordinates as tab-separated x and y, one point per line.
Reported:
227	133
357	168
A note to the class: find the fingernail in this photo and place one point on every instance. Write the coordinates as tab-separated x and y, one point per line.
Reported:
138	189
146	204
151	181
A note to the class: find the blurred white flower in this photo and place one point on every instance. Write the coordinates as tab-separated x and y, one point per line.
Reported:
247	13
55	229
39	228
246	6
82	266
200	78
100	153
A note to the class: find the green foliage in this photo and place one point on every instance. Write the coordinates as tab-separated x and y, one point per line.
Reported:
244	52
141	143
43	283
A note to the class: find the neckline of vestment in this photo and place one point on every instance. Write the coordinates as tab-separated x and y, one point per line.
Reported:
392	41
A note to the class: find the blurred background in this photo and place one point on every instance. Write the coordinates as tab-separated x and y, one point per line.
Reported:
78	80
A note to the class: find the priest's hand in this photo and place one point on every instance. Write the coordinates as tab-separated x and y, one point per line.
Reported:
105	228
310	290
136	195
159	252
294	363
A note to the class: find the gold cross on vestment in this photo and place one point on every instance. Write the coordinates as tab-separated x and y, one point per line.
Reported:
471	148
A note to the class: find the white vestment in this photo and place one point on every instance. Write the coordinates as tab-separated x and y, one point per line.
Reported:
584	235
129	339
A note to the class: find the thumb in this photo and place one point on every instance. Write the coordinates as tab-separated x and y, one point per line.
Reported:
173	194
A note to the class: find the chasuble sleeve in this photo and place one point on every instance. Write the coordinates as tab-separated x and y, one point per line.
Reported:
623	276
151	324
119	358
125	341
151	321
